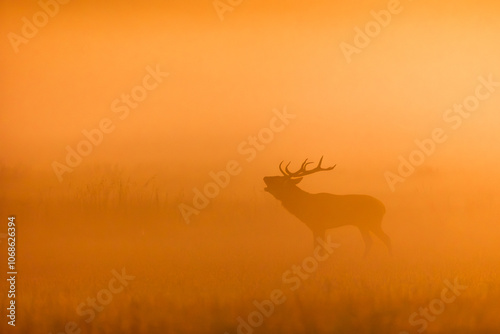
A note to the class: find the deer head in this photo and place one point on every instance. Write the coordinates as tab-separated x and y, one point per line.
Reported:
280	186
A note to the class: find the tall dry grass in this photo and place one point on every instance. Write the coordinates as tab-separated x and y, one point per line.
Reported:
200	278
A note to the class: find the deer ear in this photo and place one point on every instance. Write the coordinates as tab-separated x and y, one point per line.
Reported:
295	181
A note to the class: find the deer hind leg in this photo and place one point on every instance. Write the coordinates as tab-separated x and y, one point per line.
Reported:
377	230
367	239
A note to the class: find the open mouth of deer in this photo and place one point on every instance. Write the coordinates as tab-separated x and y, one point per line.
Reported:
266	181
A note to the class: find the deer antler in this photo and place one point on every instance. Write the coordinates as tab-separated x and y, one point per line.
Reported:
302	171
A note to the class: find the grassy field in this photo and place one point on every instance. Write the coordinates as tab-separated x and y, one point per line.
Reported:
203	294
209	276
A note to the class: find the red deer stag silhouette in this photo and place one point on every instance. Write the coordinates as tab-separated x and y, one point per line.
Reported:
321	212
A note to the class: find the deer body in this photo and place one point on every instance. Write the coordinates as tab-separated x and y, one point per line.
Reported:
324	211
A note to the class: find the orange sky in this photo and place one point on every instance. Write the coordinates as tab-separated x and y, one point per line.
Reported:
170	92
225	78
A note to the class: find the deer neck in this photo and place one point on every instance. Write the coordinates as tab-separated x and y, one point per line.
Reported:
294	197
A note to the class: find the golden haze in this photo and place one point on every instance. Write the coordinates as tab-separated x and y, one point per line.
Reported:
226	81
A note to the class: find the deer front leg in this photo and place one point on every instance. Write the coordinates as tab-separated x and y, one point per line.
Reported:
318	234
